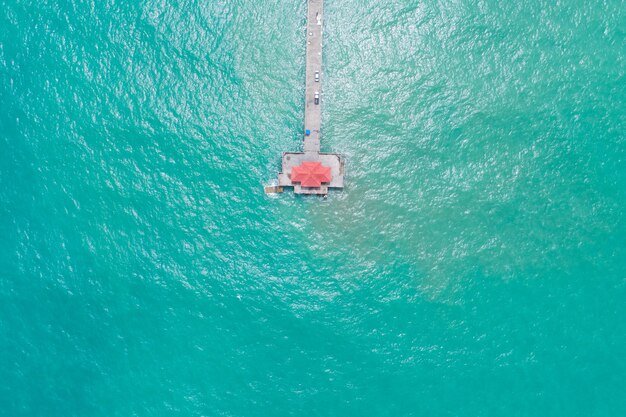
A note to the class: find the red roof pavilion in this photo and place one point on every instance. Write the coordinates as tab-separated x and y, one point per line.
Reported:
311	174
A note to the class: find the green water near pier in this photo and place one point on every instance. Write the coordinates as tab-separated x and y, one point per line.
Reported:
475	264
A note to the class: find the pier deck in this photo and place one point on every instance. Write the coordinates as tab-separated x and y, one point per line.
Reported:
312	111
313	115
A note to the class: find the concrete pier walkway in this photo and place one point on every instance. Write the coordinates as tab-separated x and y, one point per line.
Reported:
312	111
330	162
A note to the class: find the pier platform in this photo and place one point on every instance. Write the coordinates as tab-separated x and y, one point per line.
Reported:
317	172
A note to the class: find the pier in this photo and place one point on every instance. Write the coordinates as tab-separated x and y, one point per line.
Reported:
310	171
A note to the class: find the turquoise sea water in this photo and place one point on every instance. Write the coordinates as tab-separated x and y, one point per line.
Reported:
475	265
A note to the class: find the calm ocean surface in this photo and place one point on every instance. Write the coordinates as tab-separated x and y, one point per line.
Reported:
475	265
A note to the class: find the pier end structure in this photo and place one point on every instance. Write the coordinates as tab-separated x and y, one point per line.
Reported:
327	163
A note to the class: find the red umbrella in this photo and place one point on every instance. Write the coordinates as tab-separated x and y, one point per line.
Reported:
311	174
